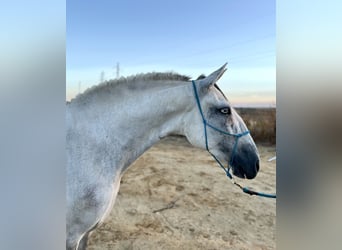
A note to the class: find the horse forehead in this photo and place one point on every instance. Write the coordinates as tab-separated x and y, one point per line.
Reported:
216	96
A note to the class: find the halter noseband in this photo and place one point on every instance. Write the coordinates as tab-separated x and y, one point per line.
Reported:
230	163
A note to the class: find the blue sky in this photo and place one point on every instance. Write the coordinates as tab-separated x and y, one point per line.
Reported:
189	37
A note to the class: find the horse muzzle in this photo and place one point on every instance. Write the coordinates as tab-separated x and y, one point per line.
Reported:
246	167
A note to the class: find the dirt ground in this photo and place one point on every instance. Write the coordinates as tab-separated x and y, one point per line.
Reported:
199	208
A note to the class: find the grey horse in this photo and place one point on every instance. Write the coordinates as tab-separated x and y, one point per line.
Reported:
110	125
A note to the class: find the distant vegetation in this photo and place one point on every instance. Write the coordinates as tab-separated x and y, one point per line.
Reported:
261	122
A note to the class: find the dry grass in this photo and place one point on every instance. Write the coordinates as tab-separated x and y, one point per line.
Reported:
261	122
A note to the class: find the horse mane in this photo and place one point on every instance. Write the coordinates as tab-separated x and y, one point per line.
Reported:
172	76
152	77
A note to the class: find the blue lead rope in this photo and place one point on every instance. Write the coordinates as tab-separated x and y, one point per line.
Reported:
237	137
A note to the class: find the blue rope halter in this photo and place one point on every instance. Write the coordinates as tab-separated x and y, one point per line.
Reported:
237	137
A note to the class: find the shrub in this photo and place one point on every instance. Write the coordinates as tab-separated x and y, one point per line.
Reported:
261	122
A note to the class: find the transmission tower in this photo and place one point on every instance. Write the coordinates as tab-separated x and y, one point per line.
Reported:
117	70
102	76
79	87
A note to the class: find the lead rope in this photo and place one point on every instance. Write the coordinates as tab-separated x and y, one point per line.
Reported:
237	137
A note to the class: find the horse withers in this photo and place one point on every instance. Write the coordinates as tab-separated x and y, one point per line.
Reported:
112	124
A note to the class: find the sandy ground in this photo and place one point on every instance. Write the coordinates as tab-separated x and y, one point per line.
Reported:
202	209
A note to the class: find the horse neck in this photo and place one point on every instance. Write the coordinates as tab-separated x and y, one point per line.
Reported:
143	117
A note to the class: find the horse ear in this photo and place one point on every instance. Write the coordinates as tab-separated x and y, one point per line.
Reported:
213	77
202	76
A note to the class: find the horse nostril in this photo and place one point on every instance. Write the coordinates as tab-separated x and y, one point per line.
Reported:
257	165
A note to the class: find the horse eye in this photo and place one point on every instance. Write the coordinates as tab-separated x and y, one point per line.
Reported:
225	111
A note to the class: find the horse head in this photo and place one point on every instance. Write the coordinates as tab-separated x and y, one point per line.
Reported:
213	124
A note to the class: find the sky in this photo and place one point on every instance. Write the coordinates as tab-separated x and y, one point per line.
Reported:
189	37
